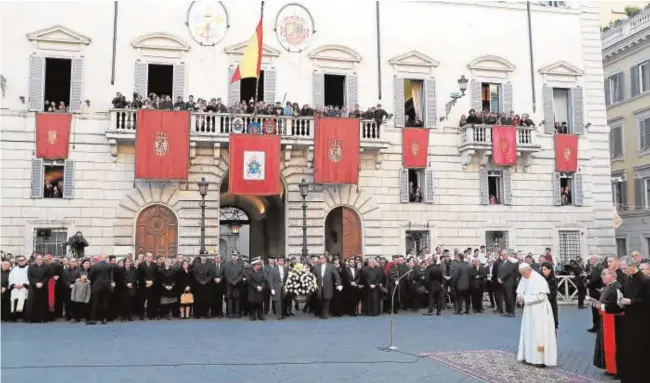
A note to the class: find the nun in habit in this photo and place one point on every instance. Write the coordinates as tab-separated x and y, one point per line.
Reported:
537	343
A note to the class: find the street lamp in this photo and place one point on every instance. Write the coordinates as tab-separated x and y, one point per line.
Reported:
304	190
462	86
203	190
234	227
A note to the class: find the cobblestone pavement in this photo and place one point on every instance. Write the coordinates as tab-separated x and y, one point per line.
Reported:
300	349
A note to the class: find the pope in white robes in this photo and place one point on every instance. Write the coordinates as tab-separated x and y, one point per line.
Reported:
537	342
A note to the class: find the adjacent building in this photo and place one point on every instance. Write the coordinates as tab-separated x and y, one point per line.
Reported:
626	63
83	53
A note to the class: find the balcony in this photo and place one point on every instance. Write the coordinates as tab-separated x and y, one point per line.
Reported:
627	28
213	130
477	139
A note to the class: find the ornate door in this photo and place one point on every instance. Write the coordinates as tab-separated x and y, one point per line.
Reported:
351	227
156	231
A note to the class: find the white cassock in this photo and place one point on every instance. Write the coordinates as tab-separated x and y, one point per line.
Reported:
537	343
18	276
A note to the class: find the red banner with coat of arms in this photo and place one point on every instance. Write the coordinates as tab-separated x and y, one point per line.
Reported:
254	164
162	145
504	145
52	135
566	152
336	150
415	148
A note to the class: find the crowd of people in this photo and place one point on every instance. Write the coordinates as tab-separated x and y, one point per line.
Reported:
492	118
216	105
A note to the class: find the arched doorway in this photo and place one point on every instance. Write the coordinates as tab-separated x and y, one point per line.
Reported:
263	232
156	231
343	232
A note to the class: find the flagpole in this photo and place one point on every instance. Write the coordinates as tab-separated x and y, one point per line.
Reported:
257	79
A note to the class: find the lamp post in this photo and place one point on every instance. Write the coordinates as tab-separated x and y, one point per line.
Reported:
462	86
203	190
304	190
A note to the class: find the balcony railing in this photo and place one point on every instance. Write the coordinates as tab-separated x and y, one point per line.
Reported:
625	29
216	127
480	136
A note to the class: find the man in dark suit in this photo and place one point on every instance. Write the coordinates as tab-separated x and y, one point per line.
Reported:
434	279
595	285
101	278
460	284
327	278
216	296
147	272
277	279
507	280
496	285
476	285
234	274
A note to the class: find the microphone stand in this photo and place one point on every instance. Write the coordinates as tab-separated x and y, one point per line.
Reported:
391	346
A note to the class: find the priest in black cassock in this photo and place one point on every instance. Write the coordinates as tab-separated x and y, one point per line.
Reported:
636	330
373	279
38	275
610	334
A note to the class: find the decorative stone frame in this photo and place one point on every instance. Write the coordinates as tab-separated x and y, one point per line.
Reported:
28	246
235	51
491	67
556	240
337	57
358	200
561	72
413	63
430	227
58	38
160	45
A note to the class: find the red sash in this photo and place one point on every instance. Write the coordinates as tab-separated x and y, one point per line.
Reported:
609	341
51	286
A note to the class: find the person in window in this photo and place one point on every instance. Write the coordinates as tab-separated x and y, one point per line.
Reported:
356	113
137	101
119	102
493	200
565	196
307	111
336	112
190	105
526	121
564	128
491	118
505	119
516	120
463	120
168	104
48	189
416	195
345	112
56	193
473	118
51	107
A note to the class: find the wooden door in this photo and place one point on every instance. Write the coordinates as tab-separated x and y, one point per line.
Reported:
156	231
351	227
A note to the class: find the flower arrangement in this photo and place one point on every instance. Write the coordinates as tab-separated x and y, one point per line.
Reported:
300	281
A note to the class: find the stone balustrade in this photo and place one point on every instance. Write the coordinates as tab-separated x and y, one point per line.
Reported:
477	139
625	29
216	127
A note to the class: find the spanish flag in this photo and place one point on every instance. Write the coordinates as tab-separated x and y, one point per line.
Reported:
251	62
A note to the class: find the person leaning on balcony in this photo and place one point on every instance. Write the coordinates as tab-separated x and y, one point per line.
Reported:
473	118
526	121
179	104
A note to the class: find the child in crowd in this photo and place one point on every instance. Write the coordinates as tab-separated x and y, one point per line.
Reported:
80	297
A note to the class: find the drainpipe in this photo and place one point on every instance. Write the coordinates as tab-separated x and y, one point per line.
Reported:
378	52
530	53
114	42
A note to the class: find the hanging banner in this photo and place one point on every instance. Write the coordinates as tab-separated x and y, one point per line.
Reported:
53	135
162	145
336	150
415	148
254	164
504	145
566	153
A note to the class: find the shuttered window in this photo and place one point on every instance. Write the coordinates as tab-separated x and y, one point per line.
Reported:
351	91
416	185
76	85
234	89
644	134
398	90
68	179
270	83
318	90
616	142
37	179
568	189
178	82
141	78
430	103
36	83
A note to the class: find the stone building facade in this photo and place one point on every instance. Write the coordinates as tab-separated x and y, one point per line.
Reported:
120	215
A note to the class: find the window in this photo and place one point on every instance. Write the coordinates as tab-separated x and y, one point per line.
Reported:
417	241
51	241
495	188
621	247
416	182
491	97
161	79
640	78
247	88
566	188
53	180
58	74
615	88
647	193
496	240
618	194
569	245
414	103
334	90
644	134
561	111
616	142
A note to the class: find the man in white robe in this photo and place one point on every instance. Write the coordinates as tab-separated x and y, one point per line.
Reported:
537	343
19	285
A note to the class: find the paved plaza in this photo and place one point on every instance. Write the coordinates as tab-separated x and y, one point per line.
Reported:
300	349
